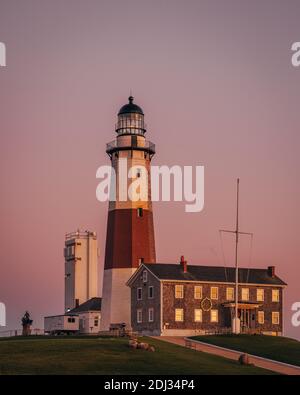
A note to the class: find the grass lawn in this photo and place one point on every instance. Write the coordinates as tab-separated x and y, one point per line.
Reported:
280	349
42	355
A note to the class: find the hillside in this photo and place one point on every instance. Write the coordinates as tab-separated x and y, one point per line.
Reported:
43	355
280	349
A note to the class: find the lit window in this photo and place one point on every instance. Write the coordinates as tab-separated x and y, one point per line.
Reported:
275	318
214	316
179	291
140	212
139	316
145	276
151	314
275	295
139	294
260	295
198	315
179	315
261	317
230	293
150	292
245	293
198	292
214	293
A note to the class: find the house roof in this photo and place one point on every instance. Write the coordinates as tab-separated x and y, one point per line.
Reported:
166	271
93	304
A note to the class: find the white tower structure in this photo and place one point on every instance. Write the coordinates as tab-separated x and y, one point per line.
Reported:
81	268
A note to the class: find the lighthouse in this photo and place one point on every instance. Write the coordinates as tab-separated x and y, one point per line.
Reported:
130	230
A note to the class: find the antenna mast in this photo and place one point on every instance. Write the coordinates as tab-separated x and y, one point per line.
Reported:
236	329
236	323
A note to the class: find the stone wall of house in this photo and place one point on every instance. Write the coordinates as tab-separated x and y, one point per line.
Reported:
145	326
188	303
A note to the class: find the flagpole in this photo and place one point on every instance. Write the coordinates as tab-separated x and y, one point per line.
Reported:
236	258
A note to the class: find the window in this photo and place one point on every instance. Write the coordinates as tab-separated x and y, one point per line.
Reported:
198	292
179	291
260	295
140	212
214	316
71	320
145	276
230	293
81	323
245	293
151	314
275	295
139	316
139	294
179	315
96	321
261	317
214	293
198	315
150	292
275	318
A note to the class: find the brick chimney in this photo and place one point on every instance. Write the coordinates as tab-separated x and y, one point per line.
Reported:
271	271
183	264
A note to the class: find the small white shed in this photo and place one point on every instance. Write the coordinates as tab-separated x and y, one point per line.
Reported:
62	324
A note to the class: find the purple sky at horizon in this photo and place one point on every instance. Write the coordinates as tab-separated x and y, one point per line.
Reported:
218	89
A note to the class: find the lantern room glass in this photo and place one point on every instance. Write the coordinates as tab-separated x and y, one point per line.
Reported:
131	123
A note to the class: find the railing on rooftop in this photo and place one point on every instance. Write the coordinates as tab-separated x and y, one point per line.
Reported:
133	145
80	234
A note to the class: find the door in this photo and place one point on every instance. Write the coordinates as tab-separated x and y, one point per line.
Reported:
253	319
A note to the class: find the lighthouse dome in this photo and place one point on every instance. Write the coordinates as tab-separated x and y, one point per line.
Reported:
130	108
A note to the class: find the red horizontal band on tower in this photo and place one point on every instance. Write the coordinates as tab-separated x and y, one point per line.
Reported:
129	239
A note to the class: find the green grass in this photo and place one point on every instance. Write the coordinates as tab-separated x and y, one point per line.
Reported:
280	349
43	355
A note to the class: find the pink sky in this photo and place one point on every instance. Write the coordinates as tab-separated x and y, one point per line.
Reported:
216	83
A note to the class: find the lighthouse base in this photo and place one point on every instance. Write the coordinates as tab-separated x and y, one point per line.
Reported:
116	298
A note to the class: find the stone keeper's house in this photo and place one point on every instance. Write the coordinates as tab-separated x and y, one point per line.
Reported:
177	299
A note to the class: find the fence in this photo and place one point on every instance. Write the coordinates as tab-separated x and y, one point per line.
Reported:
18	332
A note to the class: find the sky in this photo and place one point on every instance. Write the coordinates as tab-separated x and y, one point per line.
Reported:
218	89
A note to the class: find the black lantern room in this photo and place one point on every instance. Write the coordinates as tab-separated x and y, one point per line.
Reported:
131	119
